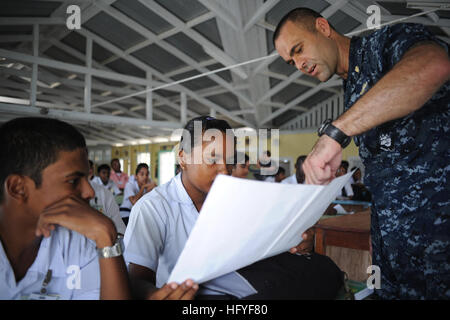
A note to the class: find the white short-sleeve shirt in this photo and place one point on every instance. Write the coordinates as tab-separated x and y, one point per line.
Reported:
349	189
290	180
74	263
159	226
111	186
104	202
131	189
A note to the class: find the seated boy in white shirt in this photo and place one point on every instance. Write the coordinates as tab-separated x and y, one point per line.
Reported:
103	172
53	244
160	224
104	202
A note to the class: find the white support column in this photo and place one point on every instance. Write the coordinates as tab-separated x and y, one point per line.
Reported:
88	76
149	98
213	113
183	102
34	73
336	108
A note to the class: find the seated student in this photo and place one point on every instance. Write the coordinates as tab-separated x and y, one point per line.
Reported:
265	168
104	202
240	170
135	189
356	177
347	190
103	172
161	221
266	162
281	175
117	176
299	176
49	235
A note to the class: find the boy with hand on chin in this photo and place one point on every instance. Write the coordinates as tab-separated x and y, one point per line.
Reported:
53	245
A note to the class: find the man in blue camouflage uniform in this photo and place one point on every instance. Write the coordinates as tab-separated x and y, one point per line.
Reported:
397	100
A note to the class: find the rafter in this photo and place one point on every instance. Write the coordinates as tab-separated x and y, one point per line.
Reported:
210	47
165	45
109	46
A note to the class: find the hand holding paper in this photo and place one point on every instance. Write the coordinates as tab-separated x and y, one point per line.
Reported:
244	221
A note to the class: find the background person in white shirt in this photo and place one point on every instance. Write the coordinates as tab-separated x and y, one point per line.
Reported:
299	176
103	172
49	234
240	170
160	224
281	175
135	188
347	190
104	202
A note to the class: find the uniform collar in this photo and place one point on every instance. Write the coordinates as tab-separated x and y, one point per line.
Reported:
49	256
181	192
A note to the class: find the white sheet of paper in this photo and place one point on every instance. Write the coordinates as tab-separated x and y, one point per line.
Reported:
244	221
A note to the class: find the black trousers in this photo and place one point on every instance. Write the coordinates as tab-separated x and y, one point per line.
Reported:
289	276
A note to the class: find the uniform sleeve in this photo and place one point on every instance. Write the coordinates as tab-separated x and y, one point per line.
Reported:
112	211
145	235
128	191
116	189
399	38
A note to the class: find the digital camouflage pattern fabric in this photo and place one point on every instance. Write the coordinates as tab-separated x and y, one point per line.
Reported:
407	171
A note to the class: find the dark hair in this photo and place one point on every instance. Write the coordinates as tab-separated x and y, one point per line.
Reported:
345	164
239	156
300	174
103	167
188	142
115	159
140	166
91	164
29	145
357	169
304	16
281	170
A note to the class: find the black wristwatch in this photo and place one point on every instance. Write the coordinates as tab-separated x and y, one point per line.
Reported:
334	133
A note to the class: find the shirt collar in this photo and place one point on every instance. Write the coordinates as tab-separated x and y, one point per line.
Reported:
181	192
50	256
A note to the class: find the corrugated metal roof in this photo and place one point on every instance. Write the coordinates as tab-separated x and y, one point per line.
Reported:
180	50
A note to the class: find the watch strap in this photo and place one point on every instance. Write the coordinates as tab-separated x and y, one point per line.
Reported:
114	251
335	133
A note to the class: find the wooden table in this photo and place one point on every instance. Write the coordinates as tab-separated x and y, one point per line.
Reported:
347	231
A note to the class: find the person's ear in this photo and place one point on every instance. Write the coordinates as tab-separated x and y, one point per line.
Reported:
323	27
182	159
16	187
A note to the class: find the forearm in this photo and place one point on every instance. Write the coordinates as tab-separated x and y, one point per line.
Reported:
114	283
114	279
135	198
406	88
